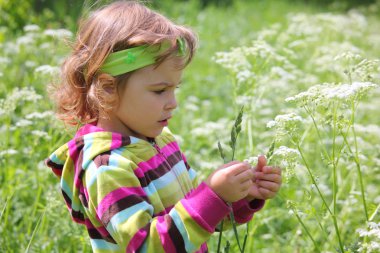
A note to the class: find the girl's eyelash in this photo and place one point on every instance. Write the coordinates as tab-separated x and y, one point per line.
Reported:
163	90
158	91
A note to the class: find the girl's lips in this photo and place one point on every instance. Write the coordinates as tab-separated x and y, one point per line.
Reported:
163	122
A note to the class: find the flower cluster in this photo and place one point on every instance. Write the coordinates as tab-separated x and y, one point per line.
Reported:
9	104
373	232
323	94
286	124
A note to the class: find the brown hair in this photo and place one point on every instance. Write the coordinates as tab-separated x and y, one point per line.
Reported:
82	92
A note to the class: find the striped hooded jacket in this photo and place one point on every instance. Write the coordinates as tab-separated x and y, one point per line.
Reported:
135	196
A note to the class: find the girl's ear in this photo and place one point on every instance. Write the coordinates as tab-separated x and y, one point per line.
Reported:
107	84
103	93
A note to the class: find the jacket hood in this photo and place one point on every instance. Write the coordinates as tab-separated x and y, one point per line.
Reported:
70	161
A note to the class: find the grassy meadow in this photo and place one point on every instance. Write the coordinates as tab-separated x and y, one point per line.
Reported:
308	77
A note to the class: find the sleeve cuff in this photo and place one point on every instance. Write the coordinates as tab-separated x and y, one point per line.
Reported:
244	210
205	207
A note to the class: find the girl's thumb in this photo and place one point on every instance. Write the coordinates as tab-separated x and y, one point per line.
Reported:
261	162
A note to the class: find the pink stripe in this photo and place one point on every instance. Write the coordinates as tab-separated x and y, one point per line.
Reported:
88	128
72	150
116	141
203	248
137	239
163	231
116	195
156	160
195	216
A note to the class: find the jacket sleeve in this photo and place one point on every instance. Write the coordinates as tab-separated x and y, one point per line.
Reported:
117	199
243	210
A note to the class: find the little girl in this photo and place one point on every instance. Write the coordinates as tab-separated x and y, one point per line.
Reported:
123	175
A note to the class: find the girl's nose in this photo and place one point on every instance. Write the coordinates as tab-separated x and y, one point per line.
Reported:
172	103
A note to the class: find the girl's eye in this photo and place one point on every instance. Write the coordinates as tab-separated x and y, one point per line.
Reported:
159	91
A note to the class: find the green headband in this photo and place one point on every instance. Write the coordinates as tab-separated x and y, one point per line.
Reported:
130	59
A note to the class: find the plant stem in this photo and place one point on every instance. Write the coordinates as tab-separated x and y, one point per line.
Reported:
306	229
356	160
220	236
335	186
322	197
234	227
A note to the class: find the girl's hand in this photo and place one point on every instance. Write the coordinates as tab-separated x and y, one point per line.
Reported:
266	182
232	181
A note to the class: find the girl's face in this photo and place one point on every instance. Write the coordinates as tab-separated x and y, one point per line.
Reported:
147	101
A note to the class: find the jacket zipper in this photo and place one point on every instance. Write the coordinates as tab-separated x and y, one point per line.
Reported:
158	149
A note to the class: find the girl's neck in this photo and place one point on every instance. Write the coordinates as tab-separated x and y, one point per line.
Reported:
118	127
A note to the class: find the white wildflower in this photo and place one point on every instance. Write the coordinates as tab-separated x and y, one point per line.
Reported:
244	100
192	99
244	76
191	107
24	123
373	232
323	94
10	103
210	128
31	28
58	33
47	70
40	115
206	103
282	121
4	60
284	151
30	64
347	91
41	134
252	160
8	152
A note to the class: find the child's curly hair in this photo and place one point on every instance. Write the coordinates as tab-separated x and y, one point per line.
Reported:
82	93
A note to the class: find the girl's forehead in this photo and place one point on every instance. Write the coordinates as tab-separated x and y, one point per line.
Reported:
168	71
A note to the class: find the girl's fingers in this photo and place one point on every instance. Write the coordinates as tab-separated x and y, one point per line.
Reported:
267	194
271	186
246	175
261	162
229	164
246	185
237	168
272	170
268	177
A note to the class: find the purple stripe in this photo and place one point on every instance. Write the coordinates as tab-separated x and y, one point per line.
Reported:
175	235
138	239
117	195
121	205
161	170
102	230
156	160
162	230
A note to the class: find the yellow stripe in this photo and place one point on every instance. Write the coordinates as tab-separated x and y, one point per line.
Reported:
197	234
